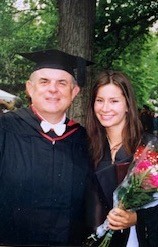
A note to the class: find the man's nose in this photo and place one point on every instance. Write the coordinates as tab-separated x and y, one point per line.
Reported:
53	86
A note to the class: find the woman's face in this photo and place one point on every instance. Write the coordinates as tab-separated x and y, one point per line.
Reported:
110	106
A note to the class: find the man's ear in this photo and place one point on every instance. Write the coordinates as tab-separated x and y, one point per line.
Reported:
29	88
76	90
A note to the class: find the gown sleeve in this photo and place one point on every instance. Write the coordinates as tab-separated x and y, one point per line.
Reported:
2	134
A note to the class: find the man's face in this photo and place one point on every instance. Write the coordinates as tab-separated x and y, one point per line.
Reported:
52	91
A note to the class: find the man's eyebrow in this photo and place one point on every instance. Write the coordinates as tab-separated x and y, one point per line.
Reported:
43	78
63	79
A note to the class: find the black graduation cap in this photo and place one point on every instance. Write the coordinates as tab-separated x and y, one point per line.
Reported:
60	60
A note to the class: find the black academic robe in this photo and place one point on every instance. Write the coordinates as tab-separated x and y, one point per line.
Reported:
108	176
42	183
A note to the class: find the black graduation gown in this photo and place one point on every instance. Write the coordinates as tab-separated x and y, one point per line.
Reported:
147	219
42	184
108	177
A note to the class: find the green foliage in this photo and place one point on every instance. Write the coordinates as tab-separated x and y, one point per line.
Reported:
27	28
122	40
140	61
119	23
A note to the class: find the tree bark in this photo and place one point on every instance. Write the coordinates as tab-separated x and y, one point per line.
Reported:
75	36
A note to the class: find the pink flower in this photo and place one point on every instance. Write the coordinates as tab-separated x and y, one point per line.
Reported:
150	181
153	181
142	166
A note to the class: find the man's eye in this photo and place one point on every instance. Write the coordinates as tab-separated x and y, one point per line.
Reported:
63	83
44	82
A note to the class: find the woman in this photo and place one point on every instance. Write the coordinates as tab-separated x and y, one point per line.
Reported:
114	131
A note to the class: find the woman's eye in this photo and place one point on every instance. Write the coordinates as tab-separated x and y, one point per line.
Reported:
114	101
99	100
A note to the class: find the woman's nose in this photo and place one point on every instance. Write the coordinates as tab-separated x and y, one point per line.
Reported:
105	106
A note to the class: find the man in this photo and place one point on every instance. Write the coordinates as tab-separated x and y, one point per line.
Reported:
44	164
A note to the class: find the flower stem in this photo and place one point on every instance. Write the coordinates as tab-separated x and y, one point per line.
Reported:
107	239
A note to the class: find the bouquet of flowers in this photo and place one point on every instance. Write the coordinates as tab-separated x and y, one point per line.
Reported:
139	189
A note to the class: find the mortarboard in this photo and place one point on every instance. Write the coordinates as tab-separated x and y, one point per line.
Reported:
56	59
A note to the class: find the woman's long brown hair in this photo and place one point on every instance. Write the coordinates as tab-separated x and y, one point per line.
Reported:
131	133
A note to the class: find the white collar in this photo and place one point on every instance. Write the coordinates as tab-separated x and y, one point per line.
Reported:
58	128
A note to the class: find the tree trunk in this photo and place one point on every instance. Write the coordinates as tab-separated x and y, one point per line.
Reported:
75	36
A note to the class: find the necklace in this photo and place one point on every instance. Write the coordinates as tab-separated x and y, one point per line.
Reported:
116	147
114	150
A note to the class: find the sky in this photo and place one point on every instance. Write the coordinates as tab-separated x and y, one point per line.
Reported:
20	4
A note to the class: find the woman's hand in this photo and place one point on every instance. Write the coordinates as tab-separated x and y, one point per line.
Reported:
121	219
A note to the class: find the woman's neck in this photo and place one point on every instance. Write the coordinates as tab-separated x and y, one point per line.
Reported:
114	137
115	142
